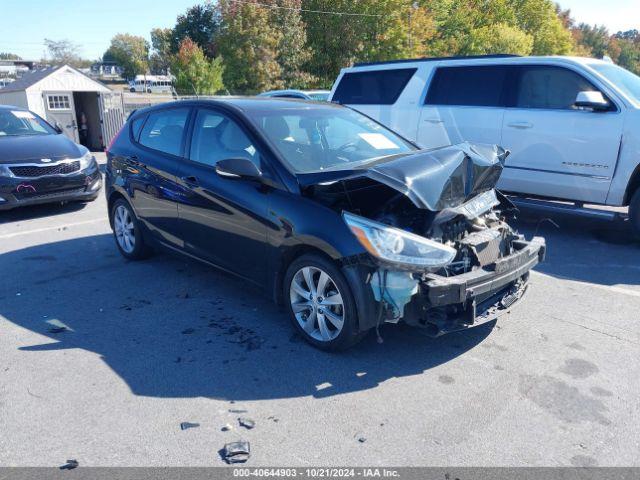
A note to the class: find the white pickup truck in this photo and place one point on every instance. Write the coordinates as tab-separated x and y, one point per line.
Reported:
572	124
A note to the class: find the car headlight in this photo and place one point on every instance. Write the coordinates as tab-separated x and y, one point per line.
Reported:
86	161
5	172
398	246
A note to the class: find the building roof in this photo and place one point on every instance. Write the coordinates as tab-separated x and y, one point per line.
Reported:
29	79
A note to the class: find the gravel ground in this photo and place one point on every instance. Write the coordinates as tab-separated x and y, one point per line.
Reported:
156	343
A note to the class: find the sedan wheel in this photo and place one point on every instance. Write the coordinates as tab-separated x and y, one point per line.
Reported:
317	304
124	229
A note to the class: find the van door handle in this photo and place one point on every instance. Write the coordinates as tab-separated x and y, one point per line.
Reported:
190	180
520	125
433	120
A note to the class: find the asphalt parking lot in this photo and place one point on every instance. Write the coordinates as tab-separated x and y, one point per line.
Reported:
156	343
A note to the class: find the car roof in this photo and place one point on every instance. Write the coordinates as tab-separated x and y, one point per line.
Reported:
476	60
246	104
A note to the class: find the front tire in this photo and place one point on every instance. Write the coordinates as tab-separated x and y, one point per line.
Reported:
127	231
634	214
320	303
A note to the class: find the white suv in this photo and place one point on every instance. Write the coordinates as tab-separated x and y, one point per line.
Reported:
572	124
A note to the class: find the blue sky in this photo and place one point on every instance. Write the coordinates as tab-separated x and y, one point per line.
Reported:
24	24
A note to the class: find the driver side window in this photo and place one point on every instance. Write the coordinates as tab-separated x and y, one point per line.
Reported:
217	137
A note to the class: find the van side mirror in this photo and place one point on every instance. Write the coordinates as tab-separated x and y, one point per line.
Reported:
592	99
238	168
58	128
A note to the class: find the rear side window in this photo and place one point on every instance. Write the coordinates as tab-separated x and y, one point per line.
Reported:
164	130
379	87
136	126
549	87
482	86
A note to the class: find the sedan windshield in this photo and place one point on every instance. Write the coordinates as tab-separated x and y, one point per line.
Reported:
21	122
312	139
621	78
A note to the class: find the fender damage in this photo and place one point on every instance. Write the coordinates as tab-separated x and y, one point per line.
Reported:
446	195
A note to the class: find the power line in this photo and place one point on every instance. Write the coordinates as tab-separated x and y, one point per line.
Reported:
322	12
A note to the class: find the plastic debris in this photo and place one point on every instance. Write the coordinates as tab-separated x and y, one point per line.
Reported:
187	425
236	452
246	422
58	329
70	465
227	427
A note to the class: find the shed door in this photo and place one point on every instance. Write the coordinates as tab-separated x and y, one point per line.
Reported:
61	110
111	115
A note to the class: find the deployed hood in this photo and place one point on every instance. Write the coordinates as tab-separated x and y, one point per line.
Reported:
432	179
36	147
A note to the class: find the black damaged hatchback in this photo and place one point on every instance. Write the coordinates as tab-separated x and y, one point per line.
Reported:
342	221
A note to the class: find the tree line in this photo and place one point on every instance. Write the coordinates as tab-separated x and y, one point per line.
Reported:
248	46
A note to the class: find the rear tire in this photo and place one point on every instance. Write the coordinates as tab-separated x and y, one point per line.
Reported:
634	214
324	313
127	231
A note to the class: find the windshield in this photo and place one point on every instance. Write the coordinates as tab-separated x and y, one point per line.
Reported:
621	78
312	139
20	122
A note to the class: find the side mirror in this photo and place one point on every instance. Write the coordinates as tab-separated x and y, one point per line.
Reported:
592	99
238	168
58	128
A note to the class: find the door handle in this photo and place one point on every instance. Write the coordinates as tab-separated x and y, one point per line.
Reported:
433	120
190	180
520	125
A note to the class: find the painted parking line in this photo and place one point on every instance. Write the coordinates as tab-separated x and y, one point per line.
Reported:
50	229
609	288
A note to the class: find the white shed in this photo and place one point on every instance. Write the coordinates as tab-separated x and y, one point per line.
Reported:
62	95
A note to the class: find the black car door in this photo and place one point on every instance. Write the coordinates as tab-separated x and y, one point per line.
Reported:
223	220
152	171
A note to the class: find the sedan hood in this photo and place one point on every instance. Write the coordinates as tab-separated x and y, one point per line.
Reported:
432	179
33	148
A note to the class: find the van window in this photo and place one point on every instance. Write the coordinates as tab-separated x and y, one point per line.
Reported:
379	87
480	86
164	129
549	87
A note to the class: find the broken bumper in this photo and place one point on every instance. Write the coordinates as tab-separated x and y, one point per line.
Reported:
18	192
446	304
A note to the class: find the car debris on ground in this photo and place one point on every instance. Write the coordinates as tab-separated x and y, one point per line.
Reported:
70	465
246	423
187	425
236	452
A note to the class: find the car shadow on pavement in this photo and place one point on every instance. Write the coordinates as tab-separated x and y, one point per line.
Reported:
584	249
173	328
40	211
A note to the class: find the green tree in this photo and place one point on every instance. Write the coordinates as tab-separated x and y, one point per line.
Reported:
629	54
130	52
498	38
292	50
248	41
200	23
364	31
195	73
161	55
9	56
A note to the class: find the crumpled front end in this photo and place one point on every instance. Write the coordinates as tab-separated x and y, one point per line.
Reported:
440	253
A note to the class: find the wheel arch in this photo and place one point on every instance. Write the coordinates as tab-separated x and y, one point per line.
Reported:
286	259
633	185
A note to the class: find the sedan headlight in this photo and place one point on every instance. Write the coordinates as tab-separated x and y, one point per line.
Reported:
398	246
86	161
